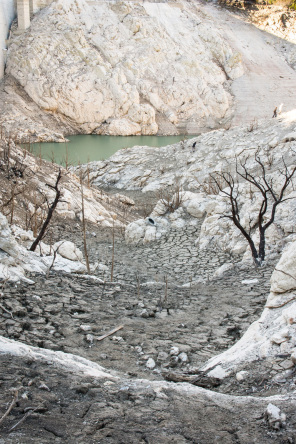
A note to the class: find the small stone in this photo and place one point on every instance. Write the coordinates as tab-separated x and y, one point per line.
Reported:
250	281
43	386
275	418
144	314
117	338
150	364
174	351
293	357
162	356
286	364
85	327
90	338
280	337
183	357
280	378
241	376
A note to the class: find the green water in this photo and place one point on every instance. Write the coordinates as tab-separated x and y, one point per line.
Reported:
82	149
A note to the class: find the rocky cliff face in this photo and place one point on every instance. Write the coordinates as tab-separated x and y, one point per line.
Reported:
126	68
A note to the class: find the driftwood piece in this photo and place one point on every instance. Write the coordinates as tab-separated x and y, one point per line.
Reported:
15	398
7	311
29	412
111	332
201	379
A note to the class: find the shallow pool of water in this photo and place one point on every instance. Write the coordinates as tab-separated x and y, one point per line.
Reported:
86	148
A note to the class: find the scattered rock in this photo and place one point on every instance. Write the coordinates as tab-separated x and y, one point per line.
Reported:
242	376
274	417
150	364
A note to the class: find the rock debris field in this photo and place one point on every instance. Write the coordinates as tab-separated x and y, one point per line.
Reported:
174	317
173	325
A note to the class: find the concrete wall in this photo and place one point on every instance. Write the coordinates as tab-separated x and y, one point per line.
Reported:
8	11
23	14
7	14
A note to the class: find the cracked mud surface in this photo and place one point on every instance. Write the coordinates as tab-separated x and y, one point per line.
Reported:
177	328
147	296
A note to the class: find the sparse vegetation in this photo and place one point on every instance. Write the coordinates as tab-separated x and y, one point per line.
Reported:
171	198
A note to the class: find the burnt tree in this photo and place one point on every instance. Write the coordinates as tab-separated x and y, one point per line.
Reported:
228	184
50	212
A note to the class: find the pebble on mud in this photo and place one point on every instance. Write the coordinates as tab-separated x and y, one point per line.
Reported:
174	351
241	376
162	356
150	364
183	357
275	418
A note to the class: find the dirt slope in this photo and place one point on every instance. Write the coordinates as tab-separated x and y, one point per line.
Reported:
268	80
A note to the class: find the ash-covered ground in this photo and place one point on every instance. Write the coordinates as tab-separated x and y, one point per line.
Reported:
174	317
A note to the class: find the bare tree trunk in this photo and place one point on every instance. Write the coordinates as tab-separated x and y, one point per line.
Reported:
84	228
113	248
49	214
227	184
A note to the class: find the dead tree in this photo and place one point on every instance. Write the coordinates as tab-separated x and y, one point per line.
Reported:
228	185
50	212
84	226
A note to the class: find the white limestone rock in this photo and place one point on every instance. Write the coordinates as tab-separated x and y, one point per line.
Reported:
174	351
241	376
144	231
68	250
222	270
183	357
16	260
200	206
283	278
276	419
125	68
7	241
276	326
150	364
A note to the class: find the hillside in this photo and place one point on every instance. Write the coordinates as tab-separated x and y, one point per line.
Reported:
146	68
142	317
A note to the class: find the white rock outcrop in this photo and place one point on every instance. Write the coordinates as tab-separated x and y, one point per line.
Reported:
16	260
126	68
7	242
188	165
275	331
